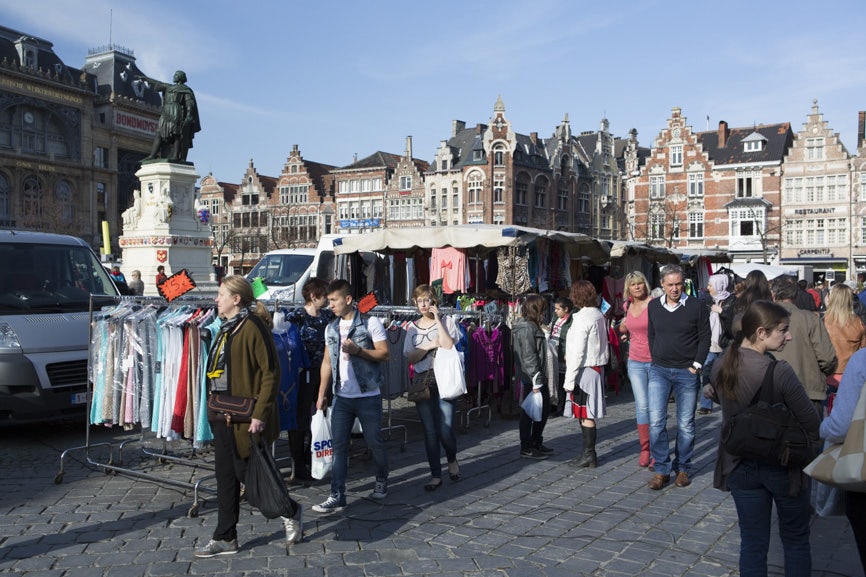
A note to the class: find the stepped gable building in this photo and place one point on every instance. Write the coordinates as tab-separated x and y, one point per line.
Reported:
265	213
816	200
858	199
718	189
364	187
70	138
492	174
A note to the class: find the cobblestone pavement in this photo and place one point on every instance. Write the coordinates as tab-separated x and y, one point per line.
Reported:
506	517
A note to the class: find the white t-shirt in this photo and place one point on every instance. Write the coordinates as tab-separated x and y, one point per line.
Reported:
416	336
348	383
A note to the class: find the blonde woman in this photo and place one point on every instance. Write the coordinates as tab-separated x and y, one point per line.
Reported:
242	362
845	328
634	330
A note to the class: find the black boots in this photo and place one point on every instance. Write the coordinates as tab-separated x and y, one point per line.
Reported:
589	459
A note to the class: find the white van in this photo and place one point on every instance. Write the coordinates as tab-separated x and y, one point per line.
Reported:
46	281
284	271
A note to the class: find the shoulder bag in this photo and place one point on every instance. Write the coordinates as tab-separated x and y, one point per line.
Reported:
233	409
768	432
844	465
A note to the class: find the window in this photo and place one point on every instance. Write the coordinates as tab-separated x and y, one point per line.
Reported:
794	190
377	184
343	186
814	149
284	195
676	155
583	199
696	225
433	199
499	155
562	195
747	183
541	193
748	222
294	169
100	157
521	188
455	203
355	186
65	208
365	185
405	183
475	188
696	185
477	154
657	226
444	199
498	218
753	145
4	200
657	186
499	188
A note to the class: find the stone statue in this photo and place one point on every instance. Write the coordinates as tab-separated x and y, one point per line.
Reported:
133	213
178	121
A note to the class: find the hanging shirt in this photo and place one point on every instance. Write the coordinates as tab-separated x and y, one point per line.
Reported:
449	264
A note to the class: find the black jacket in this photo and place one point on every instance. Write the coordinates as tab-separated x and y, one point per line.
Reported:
530	352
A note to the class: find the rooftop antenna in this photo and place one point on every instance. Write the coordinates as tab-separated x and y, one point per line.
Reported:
110	25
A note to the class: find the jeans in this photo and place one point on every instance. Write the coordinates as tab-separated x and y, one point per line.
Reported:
685	388
437	418
705	379
638	376
531	431
368	410
755	487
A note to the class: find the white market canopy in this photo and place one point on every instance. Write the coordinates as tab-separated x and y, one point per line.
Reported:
770	271
469	236
659	254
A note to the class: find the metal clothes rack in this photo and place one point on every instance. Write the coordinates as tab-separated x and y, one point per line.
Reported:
112	466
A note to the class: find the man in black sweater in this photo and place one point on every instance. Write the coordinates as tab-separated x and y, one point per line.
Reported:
679	340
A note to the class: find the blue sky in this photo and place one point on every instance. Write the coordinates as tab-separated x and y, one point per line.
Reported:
345	78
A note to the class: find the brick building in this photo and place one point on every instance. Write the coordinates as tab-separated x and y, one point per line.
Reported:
717	189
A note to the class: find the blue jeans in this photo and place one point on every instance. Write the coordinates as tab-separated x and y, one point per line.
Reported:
638	376
705	379
685	388
755	487
437	418
368	410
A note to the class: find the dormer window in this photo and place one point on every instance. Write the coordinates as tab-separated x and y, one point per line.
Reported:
476	155
755	142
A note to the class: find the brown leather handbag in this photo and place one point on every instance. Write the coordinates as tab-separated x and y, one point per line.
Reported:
233	409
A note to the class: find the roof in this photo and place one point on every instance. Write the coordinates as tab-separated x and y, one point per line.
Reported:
779	139
46	59
378	159
116	73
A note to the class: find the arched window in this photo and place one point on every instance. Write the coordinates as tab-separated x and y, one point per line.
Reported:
475	185
63	198
541	192
499	155
32	197
4	197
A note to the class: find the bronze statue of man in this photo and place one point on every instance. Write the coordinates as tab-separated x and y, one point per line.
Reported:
178	121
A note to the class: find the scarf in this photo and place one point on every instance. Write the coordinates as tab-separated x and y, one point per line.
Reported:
217	373
719	282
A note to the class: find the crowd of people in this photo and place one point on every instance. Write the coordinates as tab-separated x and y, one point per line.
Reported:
697	351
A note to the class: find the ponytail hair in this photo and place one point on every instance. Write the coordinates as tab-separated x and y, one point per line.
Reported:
760	314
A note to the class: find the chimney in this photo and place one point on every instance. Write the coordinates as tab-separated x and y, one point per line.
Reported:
456	127
533	136
861	128
409	147
723	133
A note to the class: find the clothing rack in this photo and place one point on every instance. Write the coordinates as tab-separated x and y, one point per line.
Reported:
112	465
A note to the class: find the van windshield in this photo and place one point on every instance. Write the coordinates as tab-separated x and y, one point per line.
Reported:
281	269
50	278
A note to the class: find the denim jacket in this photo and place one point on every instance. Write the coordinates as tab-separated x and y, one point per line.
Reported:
368	373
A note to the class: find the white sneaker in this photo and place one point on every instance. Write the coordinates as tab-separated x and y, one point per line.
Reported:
214	548
380	491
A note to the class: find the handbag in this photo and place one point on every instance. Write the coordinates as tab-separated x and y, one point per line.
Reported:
768	432
450	376
844	465
321	446
265	488
419	386
232	408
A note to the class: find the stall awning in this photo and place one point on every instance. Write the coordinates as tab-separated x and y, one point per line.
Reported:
469	236
656	254
741	269
691	256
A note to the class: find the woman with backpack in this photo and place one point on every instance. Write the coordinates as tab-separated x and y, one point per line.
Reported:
756	485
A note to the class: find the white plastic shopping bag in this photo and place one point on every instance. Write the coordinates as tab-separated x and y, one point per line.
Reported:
533	404
320	446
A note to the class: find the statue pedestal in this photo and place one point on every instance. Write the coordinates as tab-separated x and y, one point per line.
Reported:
163	228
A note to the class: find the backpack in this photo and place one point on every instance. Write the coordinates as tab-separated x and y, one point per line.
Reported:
768	432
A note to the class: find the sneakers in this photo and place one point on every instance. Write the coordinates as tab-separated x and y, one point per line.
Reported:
294	526
544	450
380	491
333	504
214	548
532	453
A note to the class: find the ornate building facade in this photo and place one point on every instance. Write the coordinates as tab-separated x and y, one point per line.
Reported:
71	138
